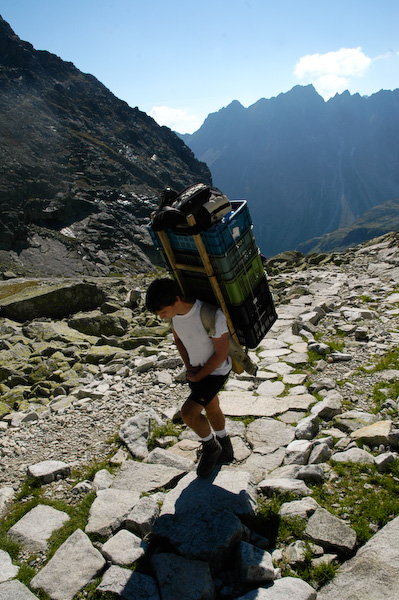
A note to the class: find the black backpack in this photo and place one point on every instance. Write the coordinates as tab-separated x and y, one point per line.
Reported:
208	205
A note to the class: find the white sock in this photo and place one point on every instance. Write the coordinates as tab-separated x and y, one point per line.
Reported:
221	433
208	438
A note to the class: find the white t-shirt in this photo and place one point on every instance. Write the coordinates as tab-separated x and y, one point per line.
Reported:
196	340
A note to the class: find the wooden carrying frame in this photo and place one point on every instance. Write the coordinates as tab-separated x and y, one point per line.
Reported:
206	268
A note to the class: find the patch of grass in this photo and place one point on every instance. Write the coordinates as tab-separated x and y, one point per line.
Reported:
389	361
78	519
322	574
384	390
337	345
170	429
362	496
10	289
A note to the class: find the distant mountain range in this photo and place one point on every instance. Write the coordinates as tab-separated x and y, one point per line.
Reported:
307	167
80	171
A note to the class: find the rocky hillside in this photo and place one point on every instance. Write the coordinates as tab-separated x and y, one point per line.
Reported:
375	222
96	469
80	171
307	167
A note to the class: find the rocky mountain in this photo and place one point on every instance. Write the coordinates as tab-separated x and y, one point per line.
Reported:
307	167
377	221
80	170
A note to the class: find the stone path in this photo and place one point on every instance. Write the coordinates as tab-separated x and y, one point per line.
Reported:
286	425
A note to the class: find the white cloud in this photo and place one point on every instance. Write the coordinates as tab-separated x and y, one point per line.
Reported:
175	118
332	72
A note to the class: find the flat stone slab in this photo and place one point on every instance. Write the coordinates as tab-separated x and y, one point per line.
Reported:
74	564
284	485
6	496
34	529
124	548
109	510
143	477
202	533
7	569
269	434
372	573
48	470
241	404
330	532
133	585
229	489
15	590
284	589
179	577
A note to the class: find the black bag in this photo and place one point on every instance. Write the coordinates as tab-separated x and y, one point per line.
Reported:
208	205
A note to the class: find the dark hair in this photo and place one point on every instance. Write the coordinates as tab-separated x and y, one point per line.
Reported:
161	293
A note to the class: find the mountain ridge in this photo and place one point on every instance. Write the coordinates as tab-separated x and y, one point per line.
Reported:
307	167
75	158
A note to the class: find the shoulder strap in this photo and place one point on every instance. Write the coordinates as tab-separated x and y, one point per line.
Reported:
208	318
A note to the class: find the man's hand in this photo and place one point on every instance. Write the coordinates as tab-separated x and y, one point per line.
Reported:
192	374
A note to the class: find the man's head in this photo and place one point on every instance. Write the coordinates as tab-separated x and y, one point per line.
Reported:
162	295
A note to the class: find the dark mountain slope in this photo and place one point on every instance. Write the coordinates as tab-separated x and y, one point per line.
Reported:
74	156
306	167
377	221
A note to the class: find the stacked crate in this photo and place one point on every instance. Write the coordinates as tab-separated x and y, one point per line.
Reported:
236	263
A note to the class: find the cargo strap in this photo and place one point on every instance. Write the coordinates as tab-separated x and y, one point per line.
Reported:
208	318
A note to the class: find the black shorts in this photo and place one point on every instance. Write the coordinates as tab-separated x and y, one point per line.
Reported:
205	390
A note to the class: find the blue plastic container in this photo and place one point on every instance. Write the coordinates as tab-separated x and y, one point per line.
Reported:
218	239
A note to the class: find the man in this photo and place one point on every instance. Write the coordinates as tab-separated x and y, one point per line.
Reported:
207	364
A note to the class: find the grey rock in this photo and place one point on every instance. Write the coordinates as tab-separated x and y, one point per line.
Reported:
261	462
7	569
298	452
372	573
383	461
6	496
283	589
354	455
49	470
229	489
103	479
73	565
307	428
283	485
311	474
15	590
55	301
330	532
34	529
322	384
270	434
109	509
142	477
303	508
129	585
135	432
179	577
124	548
202	533
320	453
159	456
354	419
375	434
143	515
255	564
329	407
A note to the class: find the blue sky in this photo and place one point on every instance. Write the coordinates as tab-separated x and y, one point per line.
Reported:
179	60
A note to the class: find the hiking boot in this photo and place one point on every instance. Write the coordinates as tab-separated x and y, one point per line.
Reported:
210	453
227	454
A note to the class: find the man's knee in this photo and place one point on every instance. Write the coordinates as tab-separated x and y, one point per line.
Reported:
189	412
